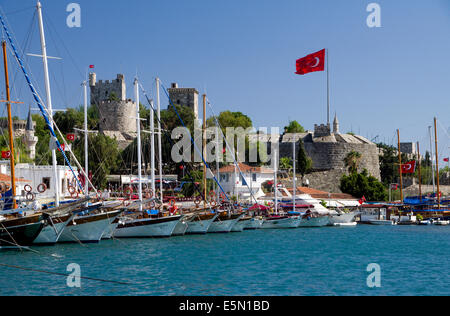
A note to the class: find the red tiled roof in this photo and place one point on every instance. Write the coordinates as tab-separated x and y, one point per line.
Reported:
245	169
7	179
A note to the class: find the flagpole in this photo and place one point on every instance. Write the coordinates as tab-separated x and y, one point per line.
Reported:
400	166
437	164
328	88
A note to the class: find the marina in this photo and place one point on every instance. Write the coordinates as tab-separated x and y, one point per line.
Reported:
150	192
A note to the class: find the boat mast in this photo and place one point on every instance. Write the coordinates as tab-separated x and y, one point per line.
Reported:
49	96
400	166
275	184
295	175
10	129
152	143
204	150
158	101
438	193
138	128
86	142
431	159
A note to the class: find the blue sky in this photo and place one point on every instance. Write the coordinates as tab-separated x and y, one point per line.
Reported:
243	52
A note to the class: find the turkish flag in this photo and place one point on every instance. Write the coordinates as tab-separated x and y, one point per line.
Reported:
71	137
361	202
446	159
6	154
409	167
311	63
91	66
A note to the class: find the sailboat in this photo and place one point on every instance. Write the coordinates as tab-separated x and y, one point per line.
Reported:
16	228
145	223
279	220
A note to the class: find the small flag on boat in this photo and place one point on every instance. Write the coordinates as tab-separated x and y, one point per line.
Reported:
91	66
71	137
409	167
6	154
363	199
394	186
63	147
446	159
311	63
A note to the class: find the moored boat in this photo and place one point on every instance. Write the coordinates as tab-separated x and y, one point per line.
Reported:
17	231
182	226
143	226
314	219
277	222
254	223
241	224
200	224
224	222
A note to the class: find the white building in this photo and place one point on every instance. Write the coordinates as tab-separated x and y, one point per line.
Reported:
233	183
45	175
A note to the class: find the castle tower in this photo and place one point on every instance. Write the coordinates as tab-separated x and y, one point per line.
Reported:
336	125
184	97
29	139
117	113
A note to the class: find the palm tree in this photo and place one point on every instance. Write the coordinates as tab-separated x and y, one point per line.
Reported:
352	161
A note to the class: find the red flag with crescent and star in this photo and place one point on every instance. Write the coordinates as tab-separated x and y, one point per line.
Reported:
409	167
311	63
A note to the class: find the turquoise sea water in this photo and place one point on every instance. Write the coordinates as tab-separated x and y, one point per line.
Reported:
414	260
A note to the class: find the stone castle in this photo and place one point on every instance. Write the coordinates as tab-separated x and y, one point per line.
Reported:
184	97
117	113
327	149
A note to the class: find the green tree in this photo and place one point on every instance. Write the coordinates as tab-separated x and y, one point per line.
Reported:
294	127
362	184
231	119
304	164
286	163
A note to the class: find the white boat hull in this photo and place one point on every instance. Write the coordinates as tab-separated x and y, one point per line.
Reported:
223	226
147	227
200	227
343	218
88	229
441	223
382	222
315	222
240	225
109	232
51	233
290	222
254	224
352	224
181	228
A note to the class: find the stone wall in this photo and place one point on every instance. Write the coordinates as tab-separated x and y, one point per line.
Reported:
118	116
185	97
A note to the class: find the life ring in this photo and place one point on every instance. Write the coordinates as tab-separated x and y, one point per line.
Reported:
126	203
128	191
71	190
27	188
197	201
213	203
222	197
212	194
30	196
148	193
42	188
74	194
172	203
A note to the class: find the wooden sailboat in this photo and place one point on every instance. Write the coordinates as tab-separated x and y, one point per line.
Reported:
143	223
16	230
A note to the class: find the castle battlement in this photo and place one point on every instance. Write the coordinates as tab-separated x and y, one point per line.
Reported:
184	97
322	130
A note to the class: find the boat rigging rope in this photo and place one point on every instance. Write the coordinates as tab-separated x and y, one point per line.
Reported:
193	143
166	132
62	274
231	150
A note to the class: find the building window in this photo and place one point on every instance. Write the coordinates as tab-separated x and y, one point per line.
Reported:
228	177
46	181
254	177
